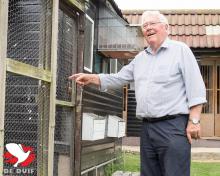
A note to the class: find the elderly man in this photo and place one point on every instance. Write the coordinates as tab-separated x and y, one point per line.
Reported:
169	92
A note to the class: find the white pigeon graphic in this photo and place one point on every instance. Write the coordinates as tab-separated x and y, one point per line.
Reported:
17	151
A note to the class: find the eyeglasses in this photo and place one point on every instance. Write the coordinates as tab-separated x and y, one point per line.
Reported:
145	25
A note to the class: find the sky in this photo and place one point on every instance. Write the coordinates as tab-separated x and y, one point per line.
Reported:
168	4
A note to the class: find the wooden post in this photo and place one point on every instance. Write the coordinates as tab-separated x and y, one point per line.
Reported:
78	121
54	39
125	106
3	53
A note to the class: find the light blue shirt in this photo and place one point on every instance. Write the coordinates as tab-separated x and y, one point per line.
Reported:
168	82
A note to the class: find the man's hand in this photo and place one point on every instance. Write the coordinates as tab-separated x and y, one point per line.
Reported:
193	131
85	79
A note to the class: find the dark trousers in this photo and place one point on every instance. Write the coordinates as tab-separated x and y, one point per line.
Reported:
165	150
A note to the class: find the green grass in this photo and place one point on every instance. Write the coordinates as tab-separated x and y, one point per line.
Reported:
205	169
132	163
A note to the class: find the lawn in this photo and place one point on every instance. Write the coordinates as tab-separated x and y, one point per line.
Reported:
132	163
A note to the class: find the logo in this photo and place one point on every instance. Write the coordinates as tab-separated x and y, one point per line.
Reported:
19	155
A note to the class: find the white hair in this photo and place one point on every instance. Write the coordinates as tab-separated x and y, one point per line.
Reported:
160	16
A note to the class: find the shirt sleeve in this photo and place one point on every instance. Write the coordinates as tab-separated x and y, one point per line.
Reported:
194	84
114	81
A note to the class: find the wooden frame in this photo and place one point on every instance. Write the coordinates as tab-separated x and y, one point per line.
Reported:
91	47
217	114
3	53
78	119
65	103
20	68
77	4
54	40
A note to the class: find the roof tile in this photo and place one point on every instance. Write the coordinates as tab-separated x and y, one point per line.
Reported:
201	19
181	29
210	43
193	19
181	18
195	30
215	19
195	41
169	16
208	19
174	19
202	30
202	41
216	40
189	40
188	26
188	30
136	19
187	19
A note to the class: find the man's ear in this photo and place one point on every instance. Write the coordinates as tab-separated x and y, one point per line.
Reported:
167	29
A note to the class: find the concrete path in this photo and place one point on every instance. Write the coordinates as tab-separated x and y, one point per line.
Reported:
201	154
121	173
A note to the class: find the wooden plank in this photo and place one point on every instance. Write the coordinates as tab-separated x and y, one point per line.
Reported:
97	157
3	52
78	121
54	44
125	106
16	67
133	123
94	148
65	103
79	5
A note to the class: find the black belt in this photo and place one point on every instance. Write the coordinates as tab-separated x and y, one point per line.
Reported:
167	117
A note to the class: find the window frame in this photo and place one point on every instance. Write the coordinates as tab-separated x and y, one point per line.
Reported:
91	47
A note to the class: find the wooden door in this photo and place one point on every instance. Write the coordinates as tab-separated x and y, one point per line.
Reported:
210	119
208	112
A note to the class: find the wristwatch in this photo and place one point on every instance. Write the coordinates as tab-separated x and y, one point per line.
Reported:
194	120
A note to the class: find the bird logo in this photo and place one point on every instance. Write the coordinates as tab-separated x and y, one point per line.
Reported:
19	155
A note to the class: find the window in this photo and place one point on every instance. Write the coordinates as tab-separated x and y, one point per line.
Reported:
97	64
89	37
113	66
105	66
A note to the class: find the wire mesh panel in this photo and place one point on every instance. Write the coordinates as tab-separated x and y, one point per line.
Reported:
29	26
27	99
67	54
120	36
26	125
66	65
63	140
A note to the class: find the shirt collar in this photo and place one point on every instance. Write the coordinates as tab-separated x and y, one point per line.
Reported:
165	44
